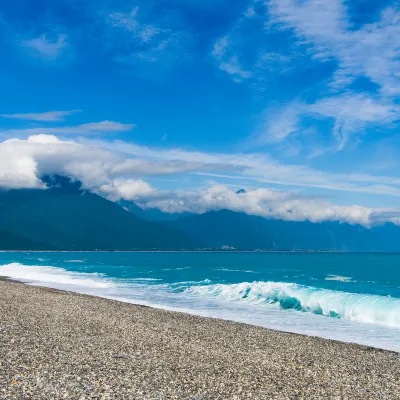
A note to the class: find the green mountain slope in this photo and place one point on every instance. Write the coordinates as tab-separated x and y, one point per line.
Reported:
67	218
244	232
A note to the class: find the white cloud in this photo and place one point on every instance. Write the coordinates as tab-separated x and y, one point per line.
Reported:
119	172
47	47
262	168
145	40
129	189
322	30
228	61
93	128
370	51
126	21
18	172
353	113
50	116
132	23
246	52
23	162
279	124
288	206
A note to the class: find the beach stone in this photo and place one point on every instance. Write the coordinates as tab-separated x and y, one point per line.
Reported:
61	345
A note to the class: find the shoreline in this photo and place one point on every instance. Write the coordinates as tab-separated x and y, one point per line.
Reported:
206	251
187	251
54	342
186	313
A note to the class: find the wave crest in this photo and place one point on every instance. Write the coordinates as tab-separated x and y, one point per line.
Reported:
350	306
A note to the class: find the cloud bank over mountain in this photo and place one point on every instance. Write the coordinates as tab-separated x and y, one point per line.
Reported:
121	171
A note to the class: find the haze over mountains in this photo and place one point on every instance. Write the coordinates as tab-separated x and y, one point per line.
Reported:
66	217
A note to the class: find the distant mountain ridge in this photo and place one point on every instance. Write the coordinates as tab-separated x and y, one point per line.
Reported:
217	229
66	217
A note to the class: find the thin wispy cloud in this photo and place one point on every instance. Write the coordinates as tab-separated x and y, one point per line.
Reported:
228	62
139	39
263	168
279	124
49	116
370	51
353	113
92	128
46	46
245	53
322	31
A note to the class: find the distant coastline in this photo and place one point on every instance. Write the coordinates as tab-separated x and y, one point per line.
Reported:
186	251
207	251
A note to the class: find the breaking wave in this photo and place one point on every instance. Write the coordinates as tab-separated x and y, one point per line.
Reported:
39	274
365	308
349	306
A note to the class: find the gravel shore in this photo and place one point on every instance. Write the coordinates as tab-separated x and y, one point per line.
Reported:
61	345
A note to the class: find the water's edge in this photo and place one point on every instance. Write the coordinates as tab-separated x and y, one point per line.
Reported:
169	310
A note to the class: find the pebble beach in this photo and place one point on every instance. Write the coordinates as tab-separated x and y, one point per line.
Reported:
62	345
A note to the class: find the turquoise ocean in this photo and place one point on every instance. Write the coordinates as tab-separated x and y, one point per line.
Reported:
346	297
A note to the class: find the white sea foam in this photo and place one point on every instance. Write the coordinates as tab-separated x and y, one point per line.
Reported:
350	306
235	270
228	270
268	304
50	275
74	261
185	283
146	279
339	278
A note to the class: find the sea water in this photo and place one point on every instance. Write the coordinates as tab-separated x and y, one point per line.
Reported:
346	297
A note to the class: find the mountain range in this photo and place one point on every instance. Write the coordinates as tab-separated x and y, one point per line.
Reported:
66	217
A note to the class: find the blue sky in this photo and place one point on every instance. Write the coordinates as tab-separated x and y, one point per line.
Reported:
298	97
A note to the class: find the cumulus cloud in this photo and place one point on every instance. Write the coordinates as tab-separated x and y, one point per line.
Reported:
120	172
129	189
288	206
23	162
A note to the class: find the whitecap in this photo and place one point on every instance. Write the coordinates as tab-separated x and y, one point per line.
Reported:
339	278
366	308
48	275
